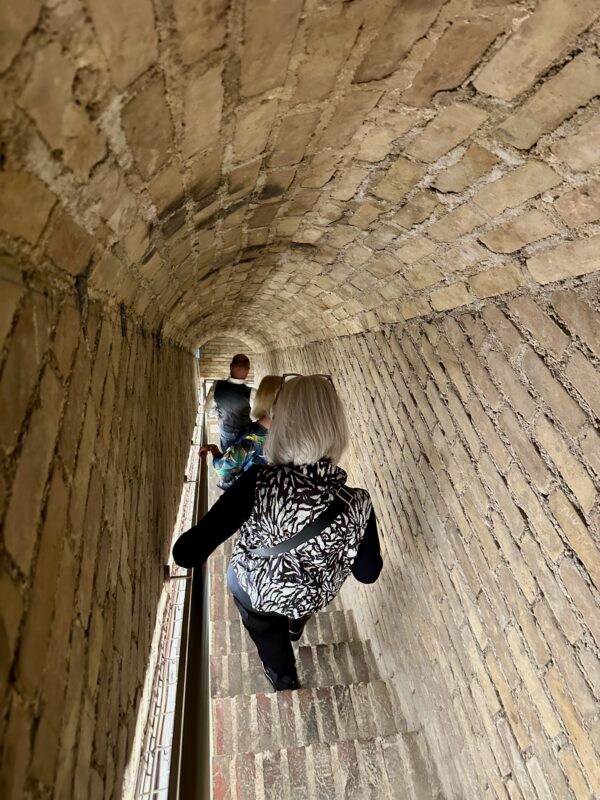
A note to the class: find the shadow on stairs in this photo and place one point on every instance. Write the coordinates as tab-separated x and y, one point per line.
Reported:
340	736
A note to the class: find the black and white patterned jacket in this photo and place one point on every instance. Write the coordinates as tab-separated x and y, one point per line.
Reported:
306	579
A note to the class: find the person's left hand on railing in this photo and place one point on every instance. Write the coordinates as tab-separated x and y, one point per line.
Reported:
210	448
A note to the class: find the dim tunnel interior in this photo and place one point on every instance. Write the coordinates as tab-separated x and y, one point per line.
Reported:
404	194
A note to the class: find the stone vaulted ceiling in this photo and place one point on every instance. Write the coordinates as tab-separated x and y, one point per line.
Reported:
288	170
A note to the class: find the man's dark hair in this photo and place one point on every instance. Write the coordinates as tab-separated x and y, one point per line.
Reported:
240	360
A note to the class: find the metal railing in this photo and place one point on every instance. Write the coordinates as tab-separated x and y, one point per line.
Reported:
190	772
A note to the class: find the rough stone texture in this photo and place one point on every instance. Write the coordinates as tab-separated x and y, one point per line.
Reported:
147	126
66	510
127	37
534	46
518	232
492	497
573	258
15	23
260	171
475	163
65	126
25	204
556	100
451	126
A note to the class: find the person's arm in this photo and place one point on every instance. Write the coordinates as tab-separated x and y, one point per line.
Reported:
230	511
368	562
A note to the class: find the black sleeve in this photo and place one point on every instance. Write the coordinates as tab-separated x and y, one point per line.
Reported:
368	563
221	521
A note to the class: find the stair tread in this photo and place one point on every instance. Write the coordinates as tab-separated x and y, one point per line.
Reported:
317	665
358	769
326	627
266	720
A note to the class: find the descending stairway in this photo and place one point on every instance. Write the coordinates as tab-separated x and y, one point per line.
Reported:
340	736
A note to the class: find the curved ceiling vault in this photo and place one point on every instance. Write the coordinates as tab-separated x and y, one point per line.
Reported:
287	170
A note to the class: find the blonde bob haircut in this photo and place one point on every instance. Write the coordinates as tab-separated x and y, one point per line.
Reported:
265	396
308	423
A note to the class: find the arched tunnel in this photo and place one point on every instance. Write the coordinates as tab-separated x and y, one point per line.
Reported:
404	194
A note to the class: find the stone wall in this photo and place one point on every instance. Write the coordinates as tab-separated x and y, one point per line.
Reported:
95	423
215	357
476	434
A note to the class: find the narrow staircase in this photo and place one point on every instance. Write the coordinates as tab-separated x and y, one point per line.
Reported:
340	736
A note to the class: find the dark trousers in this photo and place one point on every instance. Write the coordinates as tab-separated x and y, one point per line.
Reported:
270	634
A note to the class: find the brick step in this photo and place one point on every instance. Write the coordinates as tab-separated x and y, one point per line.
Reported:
270	721
327	627
319	665
379	768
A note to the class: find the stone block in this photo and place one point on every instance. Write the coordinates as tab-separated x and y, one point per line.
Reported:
20	527
66	338
580	150
415	249
534	46
204	177
566	260
401	177
127	37
553	393
449	128
408	21
416	210
147	125
585	378
319	170
293	136
166	189
65	126
579	317
457	294
365	214
10	295
576	533
376	137
496	280
457	223
540	325
28	346
423	275
202	27
454	56
558	98
277	182
348	182
117	204
580	206
36	633
513	389
531	226
203	104
349	114
572	472
25	205
16	22
416	307
252	129
516	187
106	274
269	31
69	245
475	163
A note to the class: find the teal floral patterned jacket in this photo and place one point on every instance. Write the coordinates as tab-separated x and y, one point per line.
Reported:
243	453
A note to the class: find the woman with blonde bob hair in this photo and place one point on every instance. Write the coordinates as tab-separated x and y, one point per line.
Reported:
248	447
302	531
